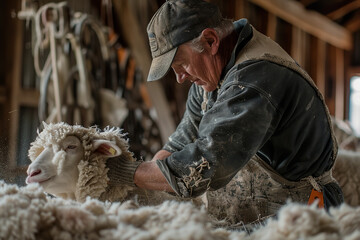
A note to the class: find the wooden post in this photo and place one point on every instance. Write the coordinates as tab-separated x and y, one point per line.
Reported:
298	46
339	84
13	81
272	26
240	9
321	63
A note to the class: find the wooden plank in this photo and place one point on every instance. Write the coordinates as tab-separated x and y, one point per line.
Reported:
2	95
307	2
271	26
29	97
306	46
296	48
240	9
295	43
342	11
330	78
339	84
320	62
13	83
299	46
309	21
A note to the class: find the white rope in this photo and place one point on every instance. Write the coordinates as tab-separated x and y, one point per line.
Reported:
313	183
205	102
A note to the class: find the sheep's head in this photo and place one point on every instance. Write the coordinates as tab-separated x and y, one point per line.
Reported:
67	159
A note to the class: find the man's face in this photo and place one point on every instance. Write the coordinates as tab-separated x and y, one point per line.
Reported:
199	68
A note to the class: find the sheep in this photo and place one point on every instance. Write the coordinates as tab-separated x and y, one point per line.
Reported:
347	164
345	135
27	213
346	172
69	161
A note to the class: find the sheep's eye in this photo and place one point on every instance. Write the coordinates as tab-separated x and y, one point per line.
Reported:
70	147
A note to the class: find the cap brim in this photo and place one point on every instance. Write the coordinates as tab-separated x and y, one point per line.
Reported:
160	65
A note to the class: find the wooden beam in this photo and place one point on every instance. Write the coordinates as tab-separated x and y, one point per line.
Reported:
309	21
307	2
353	24
340	12
339	84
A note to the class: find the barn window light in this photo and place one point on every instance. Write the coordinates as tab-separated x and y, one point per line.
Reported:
354	113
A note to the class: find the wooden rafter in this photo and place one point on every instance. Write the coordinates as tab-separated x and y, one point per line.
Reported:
307	2
353	24
340	12
309	21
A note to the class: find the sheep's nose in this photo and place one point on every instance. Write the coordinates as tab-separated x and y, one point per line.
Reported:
35	172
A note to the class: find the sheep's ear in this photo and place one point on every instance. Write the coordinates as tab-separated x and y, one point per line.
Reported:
106	148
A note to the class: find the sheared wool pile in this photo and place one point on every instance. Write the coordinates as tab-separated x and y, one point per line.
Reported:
27	213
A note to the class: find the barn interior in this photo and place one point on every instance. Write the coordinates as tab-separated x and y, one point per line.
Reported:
86	62
321	35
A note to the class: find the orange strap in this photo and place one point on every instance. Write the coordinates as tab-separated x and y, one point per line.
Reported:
316	195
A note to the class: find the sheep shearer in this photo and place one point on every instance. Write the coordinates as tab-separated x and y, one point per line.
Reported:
250	107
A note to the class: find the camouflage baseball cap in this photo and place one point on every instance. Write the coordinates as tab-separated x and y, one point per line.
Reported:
176	22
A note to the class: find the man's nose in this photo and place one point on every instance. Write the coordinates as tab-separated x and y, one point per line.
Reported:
180	78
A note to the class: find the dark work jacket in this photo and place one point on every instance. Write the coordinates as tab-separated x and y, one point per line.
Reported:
260	107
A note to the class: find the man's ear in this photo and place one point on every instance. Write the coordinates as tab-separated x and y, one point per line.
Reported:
105	148
211	40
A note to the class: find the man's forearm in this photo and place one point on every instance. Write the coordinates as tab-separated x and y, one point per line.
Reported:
149	176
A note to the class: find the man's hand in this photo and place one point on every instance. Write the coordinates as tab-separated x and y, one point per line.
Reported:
149	176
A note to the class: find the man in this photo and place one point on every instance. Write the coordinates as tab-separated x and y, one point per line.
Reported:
250	107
